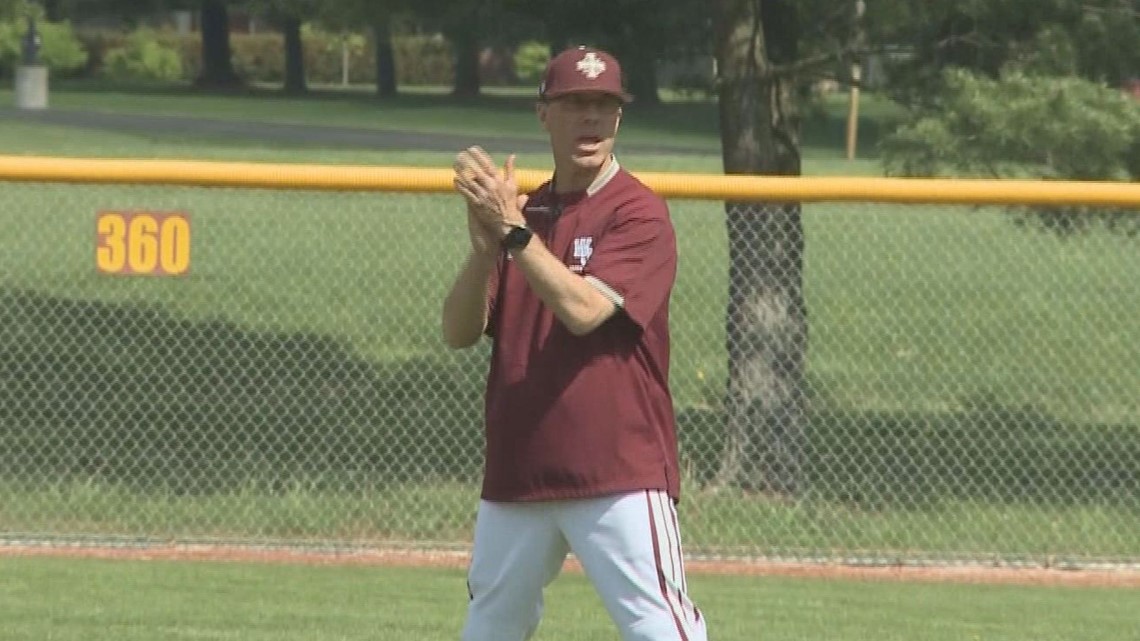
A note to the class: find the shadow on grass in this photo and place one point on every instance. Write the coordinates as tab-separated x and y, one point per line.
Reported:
129	395
96	392
989	452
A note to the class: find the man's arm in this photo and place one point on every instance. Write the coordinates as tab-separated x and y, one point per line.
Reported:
494	200
465	308
575	302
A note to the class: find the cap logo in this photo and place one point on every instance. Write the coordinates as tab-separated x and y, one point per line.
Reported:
591	66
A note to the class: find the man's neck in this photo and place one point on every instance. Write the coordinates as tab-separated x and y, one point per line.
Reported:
569	181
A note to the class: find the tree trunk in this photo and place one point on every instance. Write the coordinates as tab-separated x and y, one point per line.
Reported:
640	70
766	320
217	68
385	57
465	45
294	56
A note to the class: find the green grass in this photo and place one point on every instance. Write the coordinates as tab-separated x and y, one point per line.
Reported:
972	384
685	125
94	600
691	125
363	512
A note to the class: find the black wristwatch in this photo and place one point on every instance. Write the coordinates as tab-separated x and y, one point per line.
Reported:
517	238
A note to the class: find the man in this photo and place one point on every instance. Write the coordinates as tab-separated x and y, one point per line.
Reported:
572	283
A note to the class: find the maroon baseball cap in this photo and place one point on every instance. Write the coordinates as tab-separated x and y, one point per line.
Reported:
582	69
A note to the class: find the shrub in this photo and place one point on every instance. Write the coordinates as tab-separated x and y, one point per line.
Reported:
420	59
60	50
189	49
423	60
258	57
143	57
530	61
1022	125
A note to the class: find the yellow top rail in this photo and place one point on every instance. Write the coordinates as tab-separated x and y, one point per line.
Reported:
669	185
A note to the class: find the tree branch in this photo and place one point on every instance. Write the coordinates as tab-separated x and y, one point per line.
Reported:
811	64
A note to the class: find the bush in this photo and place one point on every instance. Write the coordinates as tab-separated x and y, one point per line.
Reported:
189	49
143	57
423	60
420	59
1026	126
323	57
60	50
259	57
530	61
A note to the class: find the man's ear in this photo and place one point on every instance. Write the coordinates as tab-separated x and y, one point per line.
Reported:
540	108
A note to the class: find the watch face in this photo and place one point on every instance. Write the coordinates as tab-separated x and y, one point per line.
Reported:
517	238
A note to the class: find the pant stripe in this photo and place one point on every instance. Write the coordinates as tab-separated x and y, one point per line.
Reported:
661	569
677	529
682	583
673	542
688	609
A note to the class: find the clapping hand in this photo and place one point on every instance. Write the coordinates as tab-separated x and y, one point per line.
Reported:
492	195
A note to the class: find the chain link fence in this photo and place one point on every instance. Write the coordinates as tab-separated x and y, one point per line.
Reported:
936	383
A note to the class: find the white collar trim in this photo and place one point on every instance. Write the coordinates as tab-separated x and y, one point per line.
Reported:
605	177
601	181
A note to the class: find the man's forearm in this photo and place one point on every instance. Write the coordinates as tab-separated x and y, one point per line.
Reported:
465	308
576	303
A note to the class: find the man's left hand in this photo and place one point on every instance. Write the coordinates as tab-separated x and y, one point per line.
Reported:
493	194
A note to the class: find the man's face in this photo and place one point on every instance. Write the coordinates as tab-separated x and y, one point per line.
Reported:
582	127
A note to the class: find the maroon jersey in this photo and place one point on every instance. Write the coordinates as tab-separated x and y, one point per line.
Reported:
582	416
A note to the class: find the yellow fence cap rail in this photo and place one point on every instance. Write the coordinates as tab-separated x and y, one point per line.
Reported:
670	185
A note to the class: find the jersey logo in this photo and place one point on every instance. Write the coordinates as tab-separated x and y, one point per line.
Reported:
591	66
583	249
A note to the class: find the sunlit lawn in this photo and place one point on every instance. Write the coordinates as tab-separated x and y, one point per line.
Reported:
94	600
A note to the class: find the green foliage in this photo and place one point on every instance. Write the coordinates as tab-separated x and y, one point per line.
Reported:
9	47
1095	39
1050	52
60	50
260	57
143	57
1023	125
423	60
276	9
530	60
10	8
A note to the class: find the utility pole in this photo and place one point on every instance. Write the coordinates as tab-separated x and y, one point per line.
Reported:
344	59
31	74
30	45
856	79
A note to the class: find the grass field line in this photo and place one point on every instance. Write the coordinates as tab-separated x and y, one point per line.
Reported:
416	555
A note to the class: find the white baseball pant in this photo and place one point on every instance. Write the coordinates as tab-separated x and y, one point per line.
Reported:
629	547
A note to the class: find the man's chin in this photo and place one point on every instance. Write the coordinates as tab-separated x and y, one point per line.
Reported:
593	159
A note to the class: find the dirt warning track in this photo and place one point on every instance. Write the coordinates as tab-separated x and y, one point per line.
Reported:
1108	577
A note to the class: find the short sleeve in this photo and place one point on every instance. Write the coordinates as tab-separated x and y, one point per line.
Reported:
636	259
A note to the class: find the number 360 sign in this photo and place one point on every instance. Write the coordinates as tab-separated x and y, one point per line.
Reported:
142	242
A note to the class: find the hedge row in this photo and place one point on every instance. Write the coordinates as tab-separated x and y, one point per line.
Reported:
420	60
